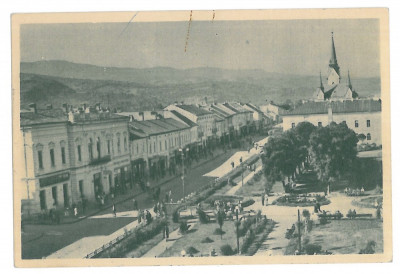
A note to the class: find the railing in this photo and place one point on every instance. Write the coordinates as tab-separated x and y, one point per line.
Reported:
101	160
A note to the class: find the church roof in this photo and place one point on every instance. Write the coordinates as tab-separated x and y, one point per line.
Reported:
347	106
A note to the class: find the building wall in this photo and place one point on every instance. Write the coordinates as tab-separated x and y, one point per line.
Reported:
350	118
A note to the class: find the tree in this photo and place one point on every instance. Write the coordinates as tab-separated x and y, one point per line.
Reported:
361	137
333	151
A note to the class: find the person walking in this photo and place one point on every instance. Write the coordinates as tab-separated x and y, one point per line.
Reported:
135	205
114	210
262	199
266	200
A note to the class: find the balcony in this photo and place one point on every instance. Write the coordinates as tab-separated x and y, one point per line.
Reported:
101	160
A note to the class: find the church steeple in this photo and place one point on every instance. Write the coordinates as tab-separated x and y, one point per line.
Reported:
349	81
333	61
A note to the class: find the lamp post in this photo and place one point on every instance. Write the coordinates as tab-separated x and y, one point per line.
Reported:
183	170
298	226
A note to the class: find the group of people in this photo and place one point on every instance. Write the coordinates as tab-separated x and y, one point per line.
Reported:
229	208
354	192
145	216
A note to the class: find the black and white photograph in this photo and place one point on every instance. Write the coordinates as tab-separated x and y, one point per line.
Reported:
201	137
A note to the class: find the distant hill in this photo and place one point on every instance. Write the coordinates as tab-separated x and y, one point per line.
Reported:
128	89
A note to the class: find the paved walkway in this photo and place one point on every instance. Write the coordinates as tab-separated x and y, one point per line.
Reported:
235	158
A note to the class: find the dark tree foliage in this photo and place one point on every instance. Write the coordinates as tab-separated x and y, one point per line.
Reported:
333	151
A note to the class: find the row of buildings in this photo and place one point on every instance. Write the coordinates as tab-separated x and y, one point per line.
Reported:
72	154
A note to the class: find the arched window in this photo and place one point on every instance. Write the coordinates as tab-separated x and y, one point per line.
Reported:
90	148
98	146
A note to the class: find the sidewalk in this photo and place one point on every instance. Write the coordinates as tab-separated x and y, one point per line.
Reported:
85	246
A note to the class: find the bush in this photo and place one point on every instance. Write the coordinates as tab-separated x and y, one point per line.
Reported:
306	213
219	231
226	250
139	235
248	202
191	250
369	249
248	240
323	221
203	217
312	249
207	240
183	227
175	216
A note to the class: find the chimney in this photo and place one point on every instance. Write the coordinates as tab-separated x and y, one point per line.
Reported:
141	114
33	107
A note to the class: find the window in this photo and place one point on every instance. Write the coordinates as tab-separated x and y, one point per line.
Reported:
166	147
150	148
63	155
356	123
320	124
108	147
125	144
160	146
98	146
368	123
90	149
293	125
137	148
154	146
42	197
79	153
369	136
54	194
40	158
81	187
119	144
53	163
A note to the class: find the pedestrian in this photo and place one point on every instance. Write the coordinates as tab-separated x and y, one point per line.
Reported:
362	190
135	205
139	217
75	211
262	199
318	207
266	200
114	210
166	232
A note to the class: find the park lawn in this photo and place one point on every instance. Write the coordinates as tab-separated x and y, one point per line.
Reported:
200	232
344	236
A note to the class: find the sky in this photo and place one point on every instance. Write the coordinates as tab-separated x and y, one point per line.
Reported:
283	46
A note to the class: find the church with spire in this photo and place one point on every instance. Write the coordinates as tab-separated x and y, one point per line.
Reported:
337	101
334	89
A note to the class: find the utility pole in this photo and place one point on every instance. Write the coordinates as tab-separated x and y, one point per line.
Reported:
299	230
237	229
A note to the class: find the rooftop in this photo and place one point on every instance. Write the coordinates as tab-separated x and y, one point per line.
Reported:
155	127
194	110
183	118
345	106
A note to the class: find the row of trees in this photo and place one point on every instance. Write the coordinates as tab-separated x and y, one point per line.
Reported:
331	151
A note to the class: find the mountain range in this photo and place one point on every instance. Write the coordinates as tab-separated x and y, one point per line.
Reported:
127	89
